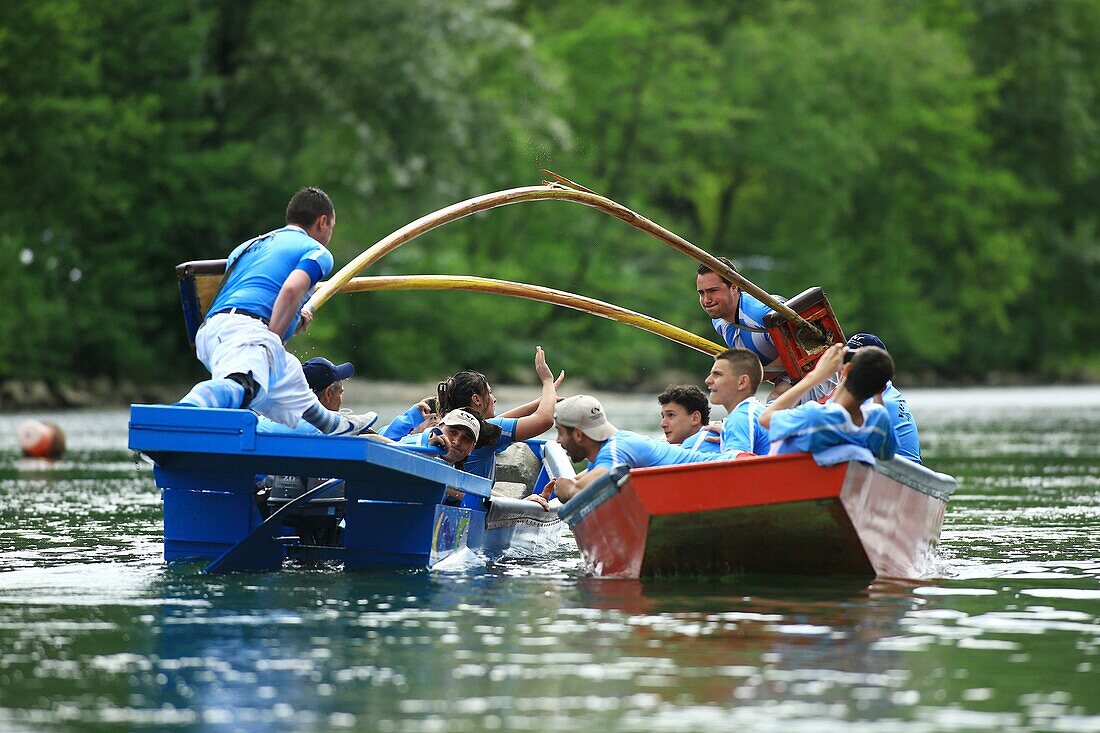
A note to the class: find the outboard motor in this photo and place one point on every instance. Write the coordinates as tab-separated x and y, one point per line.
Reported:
320	522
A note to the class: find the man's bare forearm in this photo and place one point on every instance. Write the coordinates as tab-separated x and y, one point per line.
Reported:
286	304
826	366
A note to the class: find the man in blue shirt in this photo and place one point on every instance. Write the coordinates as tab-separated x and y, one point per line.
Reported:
737	317
585	433
850	426
259	307
684	414
733	381
456	435
904	424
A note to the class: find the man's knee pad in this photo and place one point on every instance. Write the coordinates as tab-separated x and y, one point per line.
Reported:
250	385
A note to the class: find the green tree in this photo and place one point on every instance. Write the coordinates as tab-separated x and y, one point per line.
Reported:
932	164
100	120
835	143
1045	58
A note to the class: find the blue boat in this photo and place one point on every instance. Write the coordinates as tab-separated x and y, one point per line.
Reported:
396	512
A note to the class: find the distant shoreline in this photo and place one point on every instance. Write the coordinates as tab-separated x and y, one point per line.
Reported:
28	395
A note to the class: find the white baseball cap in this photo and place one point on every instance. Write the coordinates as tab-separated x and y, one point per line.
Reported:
462	419
585	412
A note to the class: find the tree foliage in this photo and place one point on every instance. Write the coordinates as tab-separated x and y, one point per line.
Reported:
933	165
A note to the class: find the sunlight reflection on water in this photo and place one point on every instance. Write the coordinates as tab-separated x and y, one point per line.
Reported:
95	632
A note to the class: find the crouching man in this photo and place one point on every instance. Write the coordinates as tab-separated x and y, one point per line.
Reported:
457	434
585	433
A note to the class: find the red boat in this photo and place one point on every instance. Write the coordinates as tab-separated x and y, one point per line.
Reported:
776	515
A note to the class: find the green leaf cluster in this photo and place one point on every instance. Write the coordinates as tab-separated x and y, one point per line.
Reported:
932	165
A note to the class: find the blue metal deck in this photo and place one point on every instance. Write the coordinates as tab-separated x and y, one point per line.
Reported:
207	461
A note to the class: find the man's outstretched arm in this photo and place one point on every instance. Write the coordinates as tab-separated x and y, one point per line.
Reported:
826	367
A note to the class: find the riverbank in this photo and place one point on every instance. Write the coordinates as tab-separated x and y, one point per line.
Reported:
23	395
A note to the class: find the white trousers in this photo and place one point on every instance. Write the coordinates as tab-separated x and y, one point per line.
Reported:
229	343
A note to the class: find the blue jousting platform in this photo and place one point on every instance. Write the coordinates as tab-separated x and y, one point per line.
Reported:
395	505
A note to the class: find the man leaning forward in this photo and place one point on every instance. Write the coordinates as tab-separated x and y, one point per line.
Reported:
258	309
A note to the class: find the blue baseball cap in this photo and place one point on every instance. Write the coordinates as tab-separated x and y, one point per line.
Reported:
865	339
320	372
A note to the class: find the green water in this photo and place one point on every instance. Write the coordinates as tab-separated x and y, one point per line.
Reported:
96	634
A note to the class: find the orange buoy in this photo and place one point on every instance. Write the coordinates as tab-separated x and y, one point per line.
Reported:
41	439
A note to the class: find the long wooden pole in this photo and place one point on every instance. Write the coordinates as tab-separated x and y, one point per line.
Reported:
547	192
536	293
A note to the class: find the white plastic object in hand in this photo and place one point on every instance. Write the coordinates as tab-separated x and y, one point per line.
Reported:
557	461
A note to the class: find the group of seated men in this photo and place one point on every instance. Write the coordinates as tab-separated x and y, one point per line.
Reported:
863	418
269	278
846	408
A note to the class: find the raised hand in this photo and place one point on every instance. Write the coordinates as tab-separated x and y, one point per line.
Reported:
829	363
543	371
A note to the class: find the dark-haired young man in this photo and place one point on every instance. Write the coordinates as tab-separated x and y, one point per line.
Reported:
850	426
904	425
259	308
737	317
684	412
739	320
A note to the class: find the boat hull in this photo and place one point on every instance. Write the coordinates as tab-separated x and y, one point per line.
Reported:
394	504
778	514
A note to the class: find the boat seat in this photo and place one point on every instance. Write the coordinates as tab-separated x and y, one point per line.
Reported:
798	303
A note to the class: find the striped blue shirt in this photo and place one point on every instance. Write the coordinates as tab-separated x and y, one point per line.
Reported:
255	282
750	312
904	424
815	428
625	448
483	461
403	424
700	444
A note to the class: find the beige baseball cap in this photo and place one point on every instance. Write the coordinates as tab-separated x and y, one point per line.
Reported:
462	419
585	412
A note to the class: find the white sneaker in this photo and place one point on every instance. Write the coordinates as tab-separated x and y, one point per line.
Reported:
360	424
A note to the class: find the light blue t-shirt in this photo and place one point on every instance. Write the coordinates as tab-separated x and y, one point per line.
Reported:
815	428
904	425
483	461
403	424
750	312
700	444
254	283
625	448
742	431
